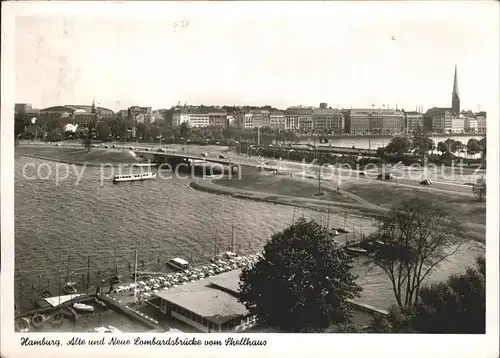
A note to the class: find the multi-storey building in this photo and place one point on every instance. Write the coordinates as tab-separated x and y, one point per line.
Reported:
201	116
457	125
277	120
413	121
218	119
470	124
375	120
140	114
299	118
326	119
359	121
247	120
291	120
481	122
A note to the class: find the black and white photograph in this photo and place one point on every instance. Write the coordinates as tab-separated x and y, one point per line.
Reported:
223	173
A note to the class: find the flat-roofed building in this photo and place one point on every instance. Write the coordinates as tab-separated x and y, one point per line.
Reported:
413	121
218	119
481	122
277	120
359	121
299	117
198	116
326	119
260	118
470	124
209	305
457	125
438	120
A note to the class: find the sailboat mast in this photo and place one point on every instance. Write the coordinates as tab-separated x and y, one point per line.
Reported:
114	260
135	272
232	236
328	218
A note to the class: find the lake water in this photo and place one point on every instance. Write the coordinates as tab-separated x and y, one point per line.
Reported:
166	217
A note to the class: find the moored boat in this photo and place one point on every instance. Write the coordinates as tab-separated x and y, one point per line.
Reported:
83	307
133	177
70	288
356	251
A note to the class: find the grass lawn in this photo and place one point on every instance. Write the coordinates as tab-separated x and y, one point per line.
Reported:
282	185
465	208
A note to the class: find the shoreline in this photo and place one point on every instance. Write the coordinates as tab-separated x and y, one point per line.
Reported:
475	232
64	156
82	164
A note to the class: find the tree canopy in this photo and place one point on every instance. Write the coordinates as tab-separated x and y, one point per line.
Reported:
410	242
473	146
399	145
303	281
422	145
443	147
456	305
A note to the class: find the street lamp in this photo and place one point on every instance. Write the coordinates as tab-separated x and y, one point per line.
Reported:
33	121
239	147
289	151
186	142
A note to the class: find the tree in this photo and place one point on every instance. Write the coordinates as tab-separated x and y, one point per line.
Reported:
473	146
443	147
457	305
422	145
303	281
185	130
453	145
103	131
399	145
410	242
482	143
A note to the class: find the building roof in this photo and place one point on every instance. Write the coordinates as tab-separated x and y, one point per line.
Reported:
89	108
326	112
206	300
229	281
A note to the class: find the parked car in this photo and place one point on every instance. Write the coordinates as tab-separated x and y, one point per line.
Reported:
161	150
222	156
204	155
388	176
426	182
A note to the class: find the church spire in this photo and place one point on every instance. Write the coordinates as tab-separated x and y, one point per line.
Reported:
455	83
93	110
455	98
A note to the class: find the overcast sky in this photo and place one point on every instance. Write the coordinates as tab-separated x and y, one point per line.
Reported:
348	55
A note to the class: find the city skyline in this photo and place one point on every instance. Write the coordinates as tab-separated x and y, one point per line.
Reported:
208	58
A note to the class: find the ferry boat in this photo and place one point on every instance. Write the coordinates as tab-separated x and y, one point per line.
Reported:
178	264
134	177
